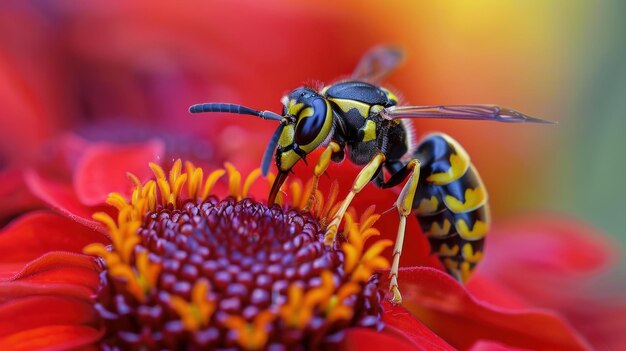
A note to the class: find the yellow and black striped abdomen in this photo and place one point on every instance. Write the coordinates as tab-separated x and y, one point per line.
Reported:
451	204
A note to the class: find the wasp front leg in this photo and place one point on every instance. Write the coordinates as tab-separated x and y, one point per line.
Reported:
322	165
365	176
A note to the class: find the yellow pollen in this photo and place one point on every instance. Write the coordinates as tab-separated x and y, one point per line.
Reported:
195	179
250	179
210	182
234	180
254	335
198	312
303	197
359	263
294	313
332	205
296	191
301	306
336	309
162	183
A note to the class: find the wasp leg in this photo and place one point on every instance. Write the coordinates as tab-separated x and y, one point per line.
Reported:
365	176
404	206
398	171
322	164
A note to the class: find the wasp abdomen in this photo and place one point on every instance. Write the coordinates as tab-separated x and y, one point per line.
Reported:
451	204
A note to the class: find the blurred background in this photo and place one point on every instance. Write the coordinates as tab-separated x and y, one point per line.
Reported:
127	71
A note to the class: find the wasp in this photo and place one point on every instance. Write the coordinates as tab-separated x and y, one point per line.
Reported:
363	120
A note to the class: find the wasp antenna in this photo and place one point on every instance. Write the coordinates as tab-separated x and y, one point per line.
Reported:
271	116
220	107
233	108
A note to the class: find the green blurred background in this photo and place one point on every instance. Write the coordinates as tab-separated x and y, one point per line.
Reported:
590	174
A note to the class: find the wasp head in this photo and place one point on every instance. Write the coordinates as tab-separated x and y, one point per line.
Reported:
308	123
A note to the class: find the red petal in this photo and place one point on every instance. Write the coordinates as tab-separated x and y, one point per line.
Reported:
58	160
602	322
52	338
443	305
61	197
55	273
24	123
484	345
556	264
361	339
542	245
488	290
399	321
54	261
103	169
37	233
39	311
13	290
8	270
78	276
15	196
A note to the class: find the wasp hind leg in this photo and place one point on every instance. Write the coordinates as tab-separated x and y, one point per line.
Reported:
404	205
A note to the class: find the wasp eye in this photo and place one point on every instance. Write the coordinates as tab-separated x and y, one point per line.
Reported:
310	122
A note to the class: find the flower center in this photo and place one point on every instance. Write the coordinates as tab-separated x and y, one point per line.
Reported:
193	271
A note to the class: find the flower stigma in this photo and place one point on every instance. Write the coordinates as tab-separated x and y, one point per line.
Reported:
188	270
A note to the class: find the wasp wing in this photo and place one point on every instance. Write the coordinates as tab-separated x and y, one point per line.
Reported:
267	156
378	63
474	112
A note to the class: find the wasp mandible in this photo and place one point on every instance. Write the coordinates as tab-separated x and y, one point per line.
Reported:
362	119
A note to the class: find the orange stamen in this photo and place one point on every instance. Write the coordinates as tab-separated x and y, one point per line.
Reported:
234	180
197	313
251	336
249	181
210	182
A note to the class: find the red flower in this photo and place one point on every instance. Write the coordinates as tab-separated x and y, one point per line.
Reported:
528	266
44	268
